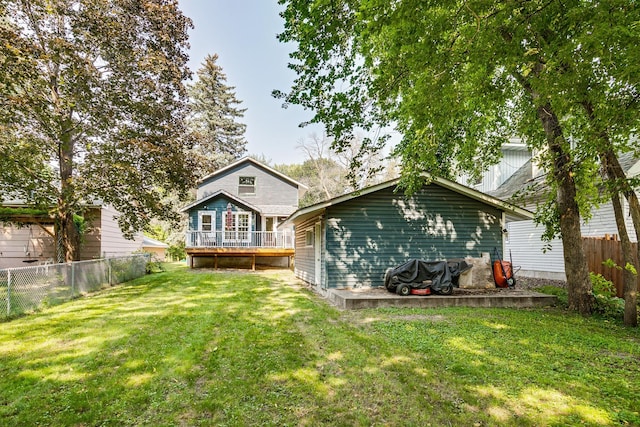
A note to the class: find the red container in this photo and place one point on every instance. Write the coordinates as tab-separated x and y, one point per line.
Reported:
502	275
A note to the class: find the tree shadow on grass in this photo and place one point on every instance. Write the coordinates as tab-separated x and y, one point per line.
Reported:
215	348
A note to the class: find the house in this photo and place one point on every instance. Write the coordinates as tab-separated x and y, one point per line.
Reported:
33	240
351	240
535	257
235	220
514	153
156	248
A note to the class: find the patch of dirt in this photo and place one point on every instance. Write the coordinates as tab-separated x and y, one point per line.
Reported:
533	283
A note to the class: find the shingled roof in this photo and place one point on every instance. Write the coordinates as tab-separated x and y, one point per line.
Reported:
526	190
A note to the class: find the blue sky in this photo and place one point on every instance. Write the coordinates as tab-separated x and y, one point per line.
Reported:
243	34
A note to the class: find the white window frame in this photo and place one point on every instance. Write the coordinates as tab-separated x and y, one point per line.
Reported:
213	220
309	237
246	186
236	225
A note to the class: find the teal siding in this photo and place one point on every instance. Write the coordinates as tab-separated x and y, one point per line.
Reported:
368	234
219	205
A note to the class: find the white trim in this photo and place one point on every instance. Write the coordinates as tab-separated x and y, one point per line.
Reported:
226	194
257	163
212	214
235	234
309	237
317	253
255	184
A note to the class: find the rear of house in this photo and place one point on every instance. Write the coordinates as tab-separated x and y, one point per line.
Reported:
235	221
33	242
350	241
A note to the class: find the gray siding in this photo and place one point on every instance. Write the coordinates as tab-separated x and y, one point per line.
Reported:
270	189
368	234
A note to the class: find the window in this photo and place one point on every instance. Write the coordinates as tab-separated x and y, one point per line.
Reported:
237	226
308	237
246	185
206	228
206	220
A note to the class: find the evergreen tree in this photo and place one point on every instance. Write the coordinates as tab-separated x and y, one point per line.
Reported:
218	136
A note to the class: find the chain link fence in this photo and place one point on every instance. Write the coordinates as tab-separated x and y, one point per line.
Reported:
26	289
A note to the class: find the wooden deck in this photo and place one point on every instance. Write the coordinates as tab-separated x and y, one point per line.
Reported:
216	252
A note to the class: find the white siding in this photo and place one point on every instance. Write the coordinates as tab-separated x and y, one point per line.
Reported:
603	222
496	175
113	242
524	241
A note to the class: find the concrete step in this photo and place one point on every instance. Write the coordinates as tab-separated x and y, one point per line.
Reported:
352	299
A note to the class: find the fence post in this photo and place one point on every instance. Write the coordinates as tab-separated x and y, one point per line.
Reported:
73	279
8	292
109	266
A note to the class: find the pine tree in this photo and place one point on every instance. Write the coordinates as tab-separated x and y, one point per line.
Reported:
219	137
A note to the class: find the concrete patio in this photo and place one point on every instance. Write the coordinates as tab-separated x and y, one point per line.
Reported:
352	299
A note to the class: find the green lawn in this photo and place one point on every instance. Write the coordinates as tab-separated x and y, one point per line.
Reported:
201	348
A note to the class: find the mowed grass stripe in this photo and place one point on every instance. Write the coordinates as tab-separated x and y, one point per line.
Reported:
231	348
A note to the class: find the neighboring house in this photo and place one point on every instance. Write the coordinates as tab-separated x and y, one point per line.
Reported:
514	155
524	239
156	248
236	217
34	241
351	240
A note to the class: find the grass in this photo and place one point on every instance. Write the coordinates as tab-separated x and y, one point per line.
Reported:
206	348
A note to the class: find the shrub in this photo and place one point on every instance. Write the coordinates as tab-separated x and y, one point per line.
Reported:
154	265
604	291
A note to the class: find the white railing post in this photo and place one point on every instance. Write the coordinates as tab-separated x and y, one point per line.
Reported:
245	239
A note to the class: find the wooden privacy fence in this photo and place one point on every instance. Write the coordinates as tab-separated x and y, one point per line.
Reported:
600	249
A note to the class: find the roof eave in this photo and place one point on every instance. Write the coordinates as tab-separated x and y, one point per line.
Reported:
257	163
313	210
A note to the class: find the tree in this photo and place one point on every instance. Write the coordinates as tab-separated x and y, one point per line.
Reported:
97	105
458	78
219	136
329	174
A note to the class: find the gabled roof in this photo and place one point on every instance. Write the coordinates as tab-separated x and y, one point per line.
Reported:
313	210
532	189
257	164
148	242
225	194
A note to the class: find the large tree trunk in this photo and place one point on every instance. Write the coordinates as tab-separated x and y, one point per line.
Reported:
66	201
619	185
579	287
630	287
630	279
580	290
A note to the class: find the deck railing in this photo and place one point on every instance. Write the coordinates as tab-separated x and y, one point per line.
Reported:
240	239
